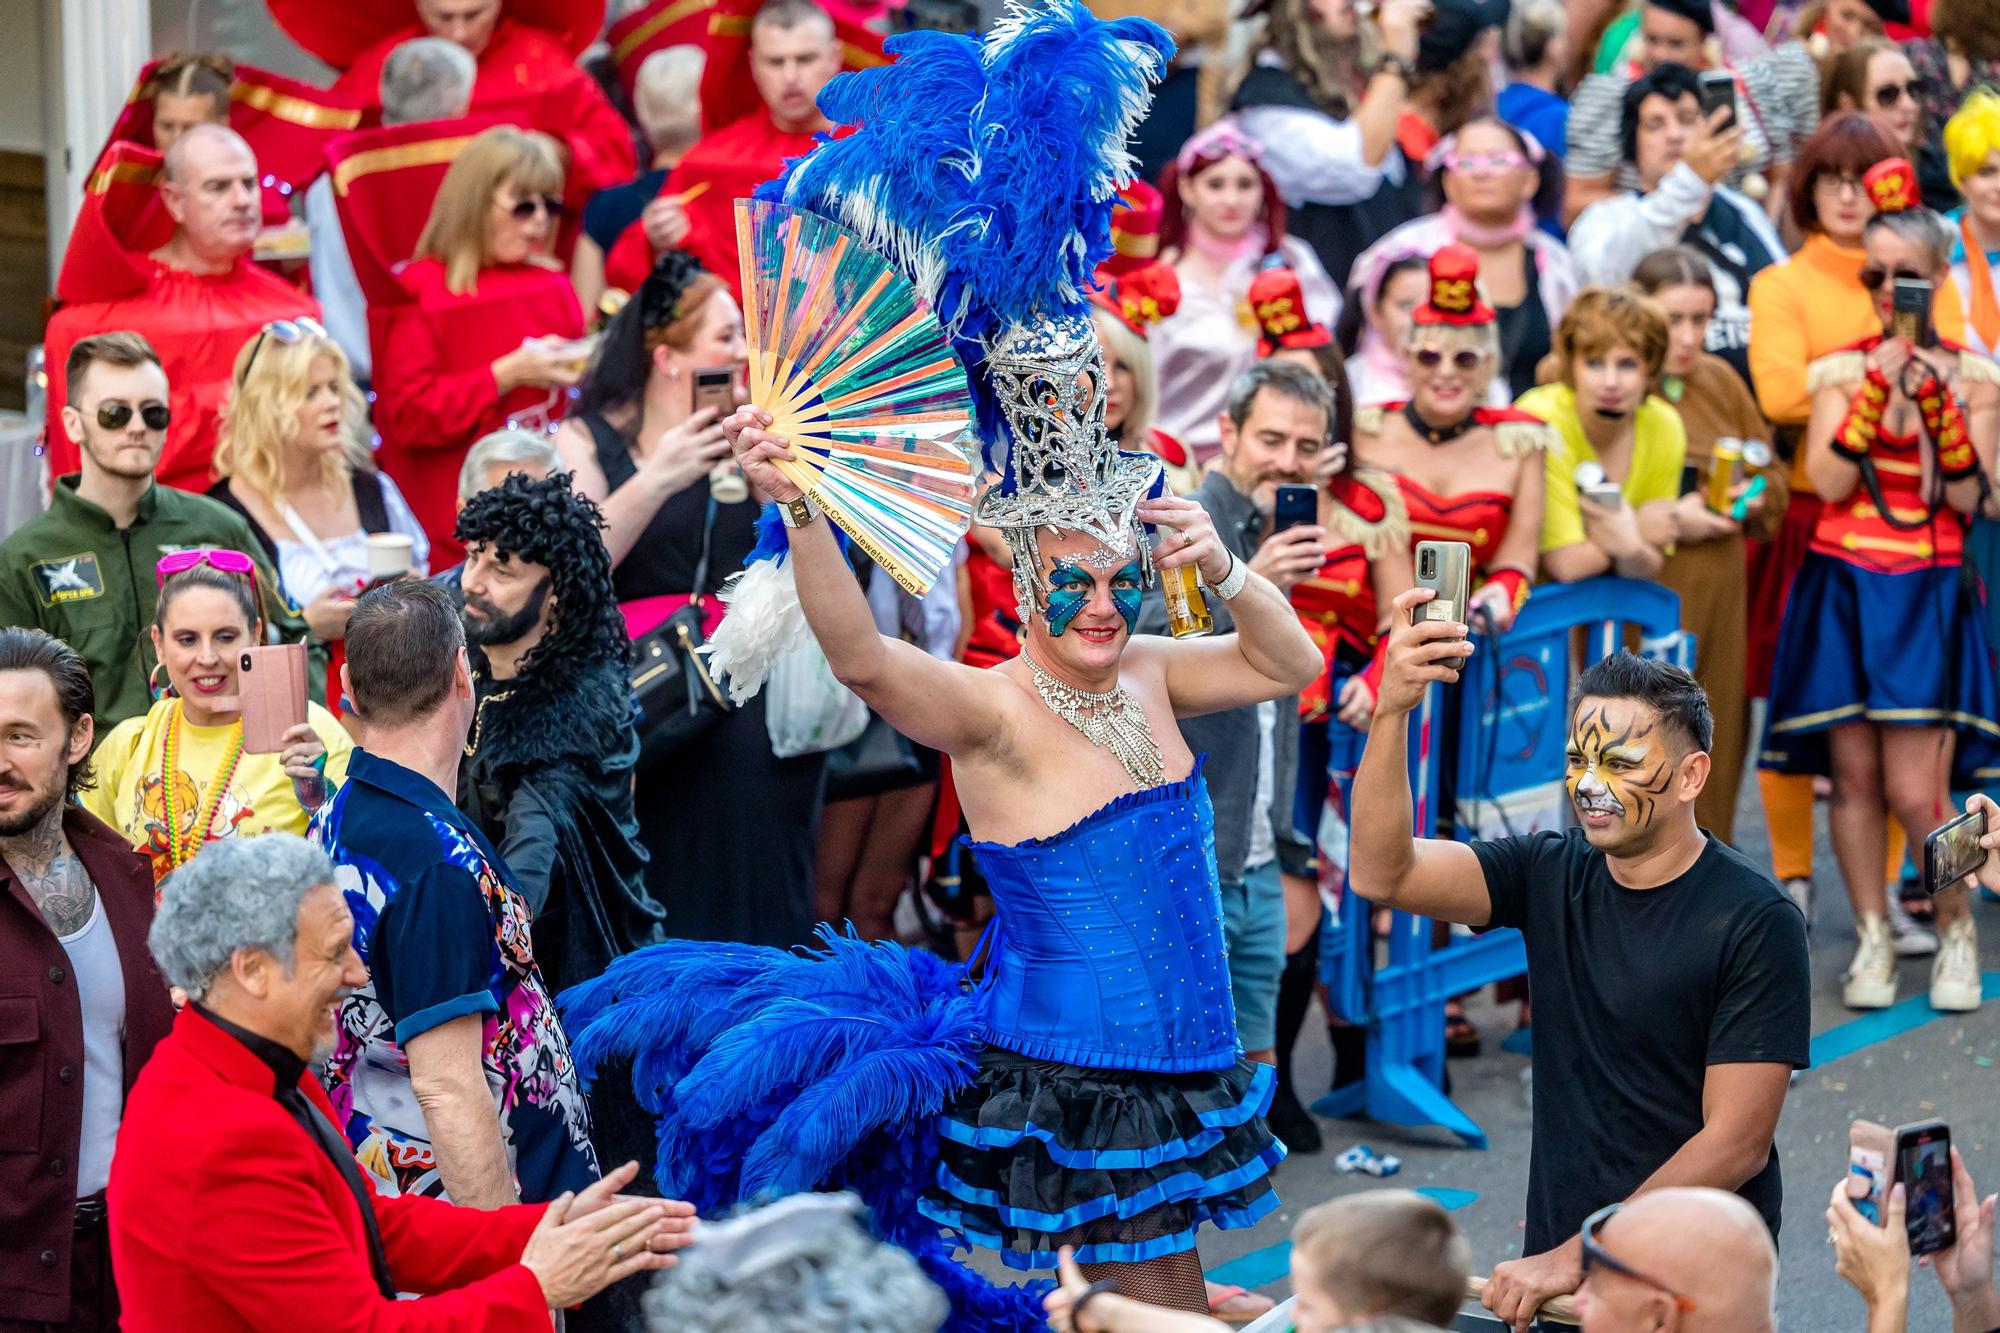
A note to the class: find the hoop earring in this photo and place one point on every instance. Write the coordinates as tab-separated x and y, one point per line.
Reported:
153	686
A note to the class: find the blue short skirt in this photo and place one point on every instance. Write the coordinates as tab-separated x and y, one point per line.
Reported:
1897	650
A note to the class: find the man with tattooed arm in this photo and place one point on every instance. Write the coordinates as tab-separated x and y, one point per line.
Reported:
1672	991
81	1004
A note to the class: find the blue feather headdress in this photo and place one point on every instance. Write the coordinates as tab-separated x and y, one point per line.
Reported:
986	171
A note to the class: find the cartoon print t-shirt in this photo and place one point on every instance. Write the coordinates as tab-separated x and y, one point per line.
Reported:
130	791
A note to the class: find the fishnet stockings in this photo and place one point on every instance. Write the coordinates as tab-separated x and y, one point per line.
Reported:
1173	1282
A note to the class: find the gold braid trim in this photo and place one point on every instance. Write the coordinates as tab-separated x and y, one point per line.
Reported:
1976	369
1518	439
1390	532
1369	418
1836	368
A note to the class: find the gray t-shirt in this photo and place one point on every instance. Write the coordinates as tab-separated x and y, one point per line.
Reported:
100	985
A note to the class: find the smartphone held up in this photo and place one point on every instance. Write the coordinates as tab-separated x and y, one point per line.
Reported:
1916	1156
1952	851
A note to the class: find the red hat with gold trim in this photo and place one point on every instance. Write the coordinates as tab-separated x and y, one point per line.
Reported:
1136	215
287	124
727	92
1141	297
1279	304
121	222
655	27
1892	185
1454	295
341	33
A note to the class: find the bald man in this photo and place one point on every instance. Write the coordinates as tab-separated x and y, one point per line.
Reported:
1693	1260
197	299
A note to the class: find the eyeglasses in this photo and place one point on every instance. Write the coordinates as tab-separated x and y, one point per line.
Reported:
1891	93
115	415
1595	1256
288	332
527	207
1472	163
1841	184
1465	358
216	557
1874	275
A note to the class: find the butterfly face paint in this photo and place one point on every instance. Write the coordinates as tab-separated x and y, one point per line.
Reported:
1619	768
1071	586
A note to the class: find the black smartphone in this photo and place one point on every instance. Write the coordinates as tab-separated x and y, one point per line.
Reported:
1295	507
1718	89
1910	314
715	386
1952	851
1923	1164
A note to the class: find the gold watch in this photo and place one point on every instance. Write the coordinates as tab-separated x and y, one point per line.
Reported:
798	512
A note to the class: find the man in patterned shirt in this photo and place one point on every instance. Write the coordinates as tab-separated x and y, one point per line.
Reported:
452	1076
1777	103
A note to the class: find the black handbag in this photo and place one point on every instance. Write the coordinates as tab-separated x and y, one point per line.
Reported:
678	700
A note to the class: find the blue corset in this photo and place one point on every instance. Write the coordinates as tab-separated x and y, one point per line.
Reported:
1107	940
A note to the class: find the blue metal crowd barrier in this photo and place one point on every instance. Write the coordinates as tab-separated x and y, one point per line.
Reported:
1510	719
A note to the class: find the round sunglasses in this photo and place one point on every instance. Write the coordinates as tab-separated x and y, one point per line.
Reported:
1465	358
116	415
526	208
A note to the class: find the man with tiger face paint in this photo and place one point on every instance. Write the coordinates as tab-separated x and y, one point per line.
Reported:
1673	997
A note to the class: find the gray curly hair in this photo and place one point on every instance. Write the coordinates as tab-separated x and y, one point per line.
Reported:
241	893
801	1265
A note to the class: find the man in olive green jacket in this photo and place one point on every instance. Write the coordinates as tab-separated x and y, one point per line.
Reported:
84	569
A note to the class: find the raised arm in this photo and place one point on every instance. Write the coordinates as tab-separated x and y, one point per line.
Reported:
1268	657
1386	863
948	707
680	458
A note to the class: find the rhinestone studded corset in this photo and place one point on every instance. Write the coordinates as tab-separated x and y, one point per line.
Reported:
1107	944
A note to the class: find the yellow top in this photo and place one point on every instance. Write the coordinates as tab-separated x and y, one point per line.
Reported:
1659	446
260	799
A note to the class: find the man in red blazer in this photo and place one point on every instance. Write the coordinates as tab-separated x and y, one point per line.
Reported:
234	1201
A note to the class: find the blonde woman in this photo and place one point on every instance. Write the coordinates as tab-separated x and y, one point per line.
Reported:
488	333
293	458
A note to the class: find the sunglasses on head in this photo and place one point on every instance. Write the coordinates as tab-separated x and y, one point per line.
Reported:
1430	358
1596	1256
1891	93
116	415
216	557
526	208
286	331
1874	275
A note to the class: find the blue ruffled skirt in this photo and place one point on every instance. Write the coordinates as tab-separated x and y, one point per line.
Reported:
1899	650
1124	1166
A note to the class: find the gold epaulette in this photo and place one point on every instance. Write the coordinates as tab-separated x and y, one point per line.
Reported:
1517	439
1388	533
1976	369
1837	368
1369	418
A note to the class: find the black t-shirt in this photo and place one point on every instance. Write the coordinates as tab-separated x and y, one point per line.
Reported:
1637	992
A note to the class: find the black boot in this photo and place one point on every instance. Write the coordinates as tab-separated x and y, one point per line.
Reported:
1288	1118
1350	1055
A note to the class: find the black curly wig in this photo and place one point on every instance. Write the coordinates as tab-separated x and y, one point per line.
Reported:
546	523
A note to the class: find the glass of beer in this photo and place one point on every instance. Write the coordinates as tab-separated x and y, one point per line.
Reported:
1187	608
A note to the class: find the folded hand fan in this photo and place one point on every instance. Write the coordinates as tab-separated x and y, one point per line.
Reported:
863	383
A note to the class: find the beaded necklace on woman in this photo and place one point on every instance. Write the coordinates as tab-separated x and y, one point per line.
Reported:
181	848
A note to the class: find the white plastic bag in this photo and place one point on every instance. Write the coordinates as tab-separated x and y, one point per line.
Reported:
807	710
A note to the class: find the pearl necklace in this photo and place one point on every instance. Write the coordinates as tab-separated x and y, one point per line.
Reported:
1114	721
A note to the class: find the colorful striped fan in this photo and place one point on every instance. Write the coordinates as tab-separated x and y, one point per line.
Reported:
860	378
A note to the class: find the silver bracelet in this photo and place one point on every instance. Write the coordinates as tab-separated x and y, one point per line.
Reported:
1232	582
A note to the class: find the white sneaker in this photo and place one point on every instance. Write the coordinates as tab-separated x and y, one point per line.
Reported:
1909	938
1870	982
1801	892
1955	982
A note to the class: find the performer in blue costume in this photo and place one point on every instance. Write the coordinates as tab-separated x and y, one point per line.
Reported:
1082	1085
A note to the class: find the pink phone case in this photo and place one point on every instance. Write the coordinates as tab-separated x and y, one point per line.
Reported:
273	688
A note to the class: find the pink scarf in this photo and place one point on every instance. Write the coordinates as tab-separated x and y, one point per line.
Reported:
1482	237
1226	254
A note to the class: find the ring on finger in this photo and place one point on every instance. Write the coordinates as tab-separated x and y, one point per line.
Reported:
617	1251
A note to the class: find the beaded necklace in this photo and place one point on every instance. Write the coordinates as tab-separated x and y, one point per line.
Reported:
1113	720
182	847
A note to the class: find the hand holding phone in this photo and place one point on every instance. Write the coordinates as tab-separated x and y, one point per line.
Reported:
1910	312
1954	850
271	681
1294	505
1446	569
1923	1169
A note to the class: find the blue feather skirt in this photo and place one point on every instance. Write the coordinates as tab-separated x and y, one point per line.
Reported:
1123	1165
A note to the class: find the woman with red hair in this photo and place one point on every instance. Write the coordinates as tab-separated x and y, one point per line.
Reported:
1224	222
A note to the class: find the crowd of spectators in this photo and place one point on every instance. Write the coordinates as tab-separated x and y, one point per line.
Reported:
1471	271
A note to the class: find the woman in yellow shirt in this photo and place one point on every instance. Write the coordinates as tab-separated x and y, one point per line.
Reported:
1608	353
1799	312
176	777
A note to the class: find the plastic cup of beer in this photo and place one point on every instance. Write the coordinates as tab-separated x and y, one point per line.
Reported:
1187	608
390	555
728	484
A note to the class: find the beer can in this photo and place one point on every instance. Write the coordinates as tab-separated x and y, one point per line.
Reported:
1722	473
